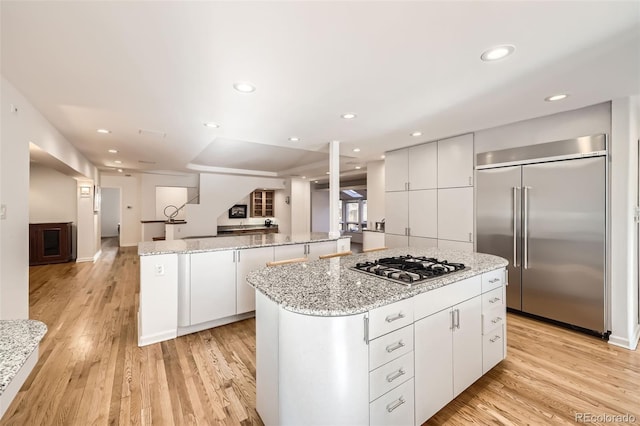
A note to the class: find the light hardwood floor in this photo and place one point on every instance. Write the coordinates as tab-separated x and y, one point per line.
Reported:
91	370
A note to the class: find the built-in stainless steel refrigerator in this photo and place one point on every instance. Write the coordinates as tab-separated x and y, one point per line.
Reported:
543	207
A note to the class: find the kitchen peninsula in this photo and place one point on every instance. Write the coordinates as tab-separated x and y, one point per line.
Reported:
194	284
335	345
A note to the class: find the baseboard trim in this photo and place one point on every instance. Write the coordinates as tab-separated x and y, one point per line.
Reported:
631	344
94	258
215	323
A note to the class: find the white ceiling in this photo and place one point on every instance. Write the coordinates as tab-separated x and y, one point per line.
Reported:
168	67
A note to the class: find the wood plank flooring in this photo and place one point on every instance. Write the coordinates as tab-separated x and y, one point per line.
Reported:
91	370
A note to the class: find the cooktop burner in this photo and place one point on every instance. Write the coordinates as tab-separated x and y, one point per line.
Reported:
408	270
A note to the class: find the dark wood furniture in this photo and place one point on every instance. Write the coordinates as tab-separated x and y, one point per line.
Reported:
262	203
50	243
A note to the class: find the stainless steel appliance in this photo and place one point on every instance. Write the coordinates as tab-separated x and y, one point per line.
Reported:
408	270
543	207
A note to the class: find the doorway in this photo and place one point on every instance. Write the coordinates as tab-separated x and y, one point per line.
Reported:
110	213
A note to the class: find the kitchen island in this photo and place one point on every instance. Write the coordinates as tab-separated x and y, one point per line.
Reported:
194	284
338	346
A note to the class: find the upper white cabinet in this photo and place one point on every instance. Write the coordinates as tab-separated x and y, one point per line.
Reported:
455	161
396	173
423	166
423	213
213	285
397	213
249	260
455	214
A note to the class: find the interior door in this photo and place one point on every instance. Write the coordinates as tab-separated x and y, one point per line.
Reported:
563	257
498	220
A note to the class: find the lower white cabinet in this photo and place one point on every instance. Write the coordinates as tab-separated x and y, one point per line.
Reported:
213	286
455	214
248	260
393	408
309	250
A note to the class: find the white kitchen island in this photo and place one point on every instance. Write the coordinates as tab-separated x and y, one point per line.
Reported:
194	284
341	347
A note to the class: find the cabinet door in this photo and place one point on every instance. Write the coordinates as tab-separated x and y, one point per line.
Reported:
396	241
247	261
318	249
290	251
397	212
423	166
467	344
423	213
455	214
396	173
455	162
433	353
213	286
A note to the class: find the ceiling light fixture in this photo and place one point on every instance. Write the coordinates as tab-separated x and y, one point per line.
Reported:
113	151
382	156
348	116
212	125
416	133
244	87
497	52
294	139
358	167
326	173
557	97
315	181
356	149
103	131
304	177
119	170
118	162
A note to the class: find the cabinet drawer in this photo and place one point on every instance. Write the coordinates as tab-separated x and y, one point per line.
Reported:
433	301
493	318
492	279
391	317
492	349
394	408
390	346
390	375
493	299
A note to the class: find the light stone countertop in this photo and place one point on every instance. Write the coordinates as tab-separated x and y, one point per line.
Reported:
18	339
329	288
233	242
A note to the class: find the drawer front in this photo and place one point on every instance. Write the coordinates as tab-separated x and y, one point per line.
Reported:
493	318
492	279
390	346
492	349
394	408
390	375
386	319
430	302
493	299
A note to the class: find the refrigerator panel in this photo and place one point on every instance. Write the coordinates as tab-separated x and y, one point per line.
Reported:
497	217
563	274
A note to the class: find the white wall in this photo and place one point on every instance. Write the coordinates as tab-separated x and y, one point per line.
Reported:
148	184
300	206
320	211
166	196
18	129
224	220
130	205
375	193
110	212
52	196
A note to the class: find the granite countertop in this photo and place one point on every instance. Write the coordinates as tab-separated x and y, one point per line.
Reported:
234	242
18	339
329	288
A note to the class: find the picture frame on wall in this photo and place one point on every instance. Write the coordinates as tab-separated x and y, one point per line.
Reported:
97	198
238	211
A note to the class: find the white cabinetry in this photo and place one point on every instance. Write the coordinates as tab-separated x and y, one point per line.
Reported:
423	213
248	260
396	172
455	161
213	285
455	214
310	250
397	213
423	166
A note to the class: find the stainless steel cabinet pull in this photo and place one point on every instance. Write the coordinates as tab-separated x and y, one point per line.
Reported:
453	323
395	317
495	339
494	300
470	180
396	404
495	280
395	347
496	320
470	237
238	256
234	256
515	225
458	318
366	329
526	227
391	377
408	186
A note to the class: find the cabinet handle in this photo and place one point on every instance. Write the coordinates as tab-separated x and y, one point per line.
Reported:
408	186
366	329
399	373
470	180
395	404
494	300
408	232
495	280
470	237
458	318
453	323
495	339
234	256
395	347
238	256
496	320
395	317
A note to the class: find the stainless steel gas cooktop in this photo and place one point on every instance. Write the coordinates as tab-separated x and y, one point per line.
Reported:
408	270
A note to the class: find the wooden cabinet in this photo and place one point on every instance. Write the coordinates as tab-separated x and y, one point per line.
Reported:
262	203
455	214
455	161
248	260
50	243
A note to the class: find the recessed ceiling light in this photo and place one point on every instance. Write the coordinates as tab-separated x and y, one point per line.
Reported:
113	151
212	125
103	131
304	177
244	87
118	162
348	116
498	52
382	156
358	167
356	149
119	170
557	97
416	133
326	173
294	139
315	181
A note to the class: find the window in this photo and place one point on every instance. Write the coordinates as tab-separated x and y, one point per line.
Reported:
354	213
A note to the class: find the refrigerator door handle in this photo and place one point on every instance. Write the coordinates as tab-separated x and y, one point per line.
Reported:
515	225
525	230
